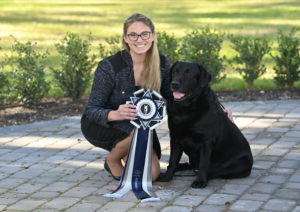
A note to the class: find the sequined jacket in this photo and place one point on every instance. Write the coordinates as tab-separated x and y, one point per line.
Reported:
113	85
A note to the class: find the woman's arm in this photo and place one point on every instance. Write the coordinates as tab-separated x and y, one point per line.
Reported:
125	111
102	87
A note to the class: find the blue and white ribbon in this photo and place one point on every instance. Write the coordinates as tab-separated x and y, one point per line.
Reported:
137	174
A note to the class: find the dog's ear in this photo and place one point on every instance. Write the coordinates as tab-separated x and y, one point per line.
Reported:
171	71
205	77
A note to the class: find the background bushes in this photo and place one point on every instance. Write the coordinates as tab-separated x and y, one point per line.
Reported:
168	45
28	84
287	67
111	46
251	51
3	87
74	74
204	46
24	80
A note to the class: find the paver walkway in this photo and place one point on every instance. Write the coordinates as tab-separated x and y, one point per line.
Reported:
49	166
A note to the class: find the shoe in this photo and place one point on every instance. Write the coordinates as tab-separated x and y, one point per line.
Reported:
106	167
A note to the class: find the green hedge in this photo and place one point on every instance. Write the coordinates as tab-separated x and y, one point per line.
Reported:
251	51
204	46
26	82
74	74
287	67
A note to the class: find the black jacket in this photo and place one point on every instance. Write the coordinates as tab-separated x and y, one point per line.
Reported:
114	84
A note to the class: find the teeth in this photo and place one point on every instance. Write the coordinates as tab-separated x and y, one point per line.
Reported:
139	45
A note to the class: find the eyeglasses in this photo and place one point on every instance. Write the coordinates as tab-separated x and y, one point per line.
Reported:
134	37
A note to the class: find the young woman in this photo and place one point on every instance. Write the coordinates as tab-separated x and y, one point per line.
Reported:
106	119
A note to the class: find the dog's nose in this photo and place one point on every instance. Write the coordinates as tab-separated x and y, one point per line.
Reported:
175	85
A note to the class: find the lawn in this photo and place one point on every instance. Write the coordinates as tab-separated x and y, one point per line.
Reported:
46	22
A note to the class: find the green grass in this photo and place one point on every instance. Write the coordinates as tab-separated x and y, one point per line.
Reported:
297	84
47	22
230	83
237	83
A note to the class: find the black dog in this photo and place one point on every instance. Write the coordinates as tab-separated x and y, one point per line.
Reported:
199	127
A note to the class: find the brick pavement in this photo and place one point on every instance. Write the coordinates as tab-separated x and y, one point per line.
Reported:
49	166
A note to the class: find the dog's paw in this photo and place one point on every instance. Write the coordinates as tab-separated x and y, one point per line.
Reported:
164	177
199	184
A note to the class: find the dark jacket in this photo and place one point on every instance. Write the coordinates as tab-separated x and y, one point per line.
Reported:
114	84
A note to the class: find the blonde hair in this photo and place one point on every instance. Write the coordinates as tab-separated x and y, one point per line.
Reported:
151	76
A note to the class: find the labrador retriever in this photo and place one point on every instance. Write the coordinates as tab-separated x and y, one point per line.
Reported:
200	128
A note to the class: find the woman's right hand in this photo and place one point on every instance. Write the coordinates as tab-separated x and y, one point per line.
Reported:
124	112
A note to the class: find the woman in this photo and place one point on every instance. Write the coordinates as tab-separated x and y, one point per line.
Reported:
106	118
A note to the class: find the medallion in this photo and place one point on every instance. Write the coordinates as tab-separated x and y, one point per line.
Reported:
137	174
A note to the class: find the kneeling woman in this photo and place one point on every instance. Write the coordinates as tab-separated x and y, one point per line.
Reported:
106	118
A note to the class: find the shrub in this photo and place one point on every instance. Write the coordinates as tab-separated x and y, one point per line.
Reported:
204	46
288	61
74	75
6	87
111	46
4	82
168	45
251	51
29	84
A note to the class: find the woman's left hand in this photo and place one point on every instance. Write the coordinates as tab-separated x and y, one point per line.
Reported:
229	114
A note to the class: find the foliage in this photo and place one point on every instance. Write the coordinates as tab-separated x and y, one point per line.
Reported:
287	67
4	82
203	46
251	51
6	87
22	75
74	75
111	46
28	81
2	79
168	45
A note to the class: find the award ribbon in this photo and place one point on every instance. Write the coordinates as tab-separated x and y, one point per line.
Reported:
137	173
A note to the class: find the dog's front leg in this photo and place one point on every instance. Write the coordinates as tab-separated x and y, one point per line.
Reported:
176	153
204	163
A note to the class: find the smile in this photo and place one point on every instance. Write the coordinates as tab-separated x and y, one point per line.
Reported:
140	45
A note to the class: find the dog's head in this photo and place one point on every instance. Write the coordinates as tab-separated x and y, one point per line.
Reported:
188	80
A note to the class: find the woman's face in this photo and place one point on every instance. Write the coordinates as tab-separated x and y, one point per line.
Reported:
139	38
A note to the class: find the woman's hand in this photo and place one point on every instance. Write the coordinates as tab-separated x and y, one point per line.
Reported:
124	112
229	114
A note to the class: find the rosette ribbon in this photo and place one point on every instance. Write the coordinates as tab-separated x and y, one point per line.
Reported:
137	173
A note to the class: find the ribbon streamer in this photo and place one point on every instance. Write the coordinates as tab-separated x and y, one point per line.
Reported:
137	174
